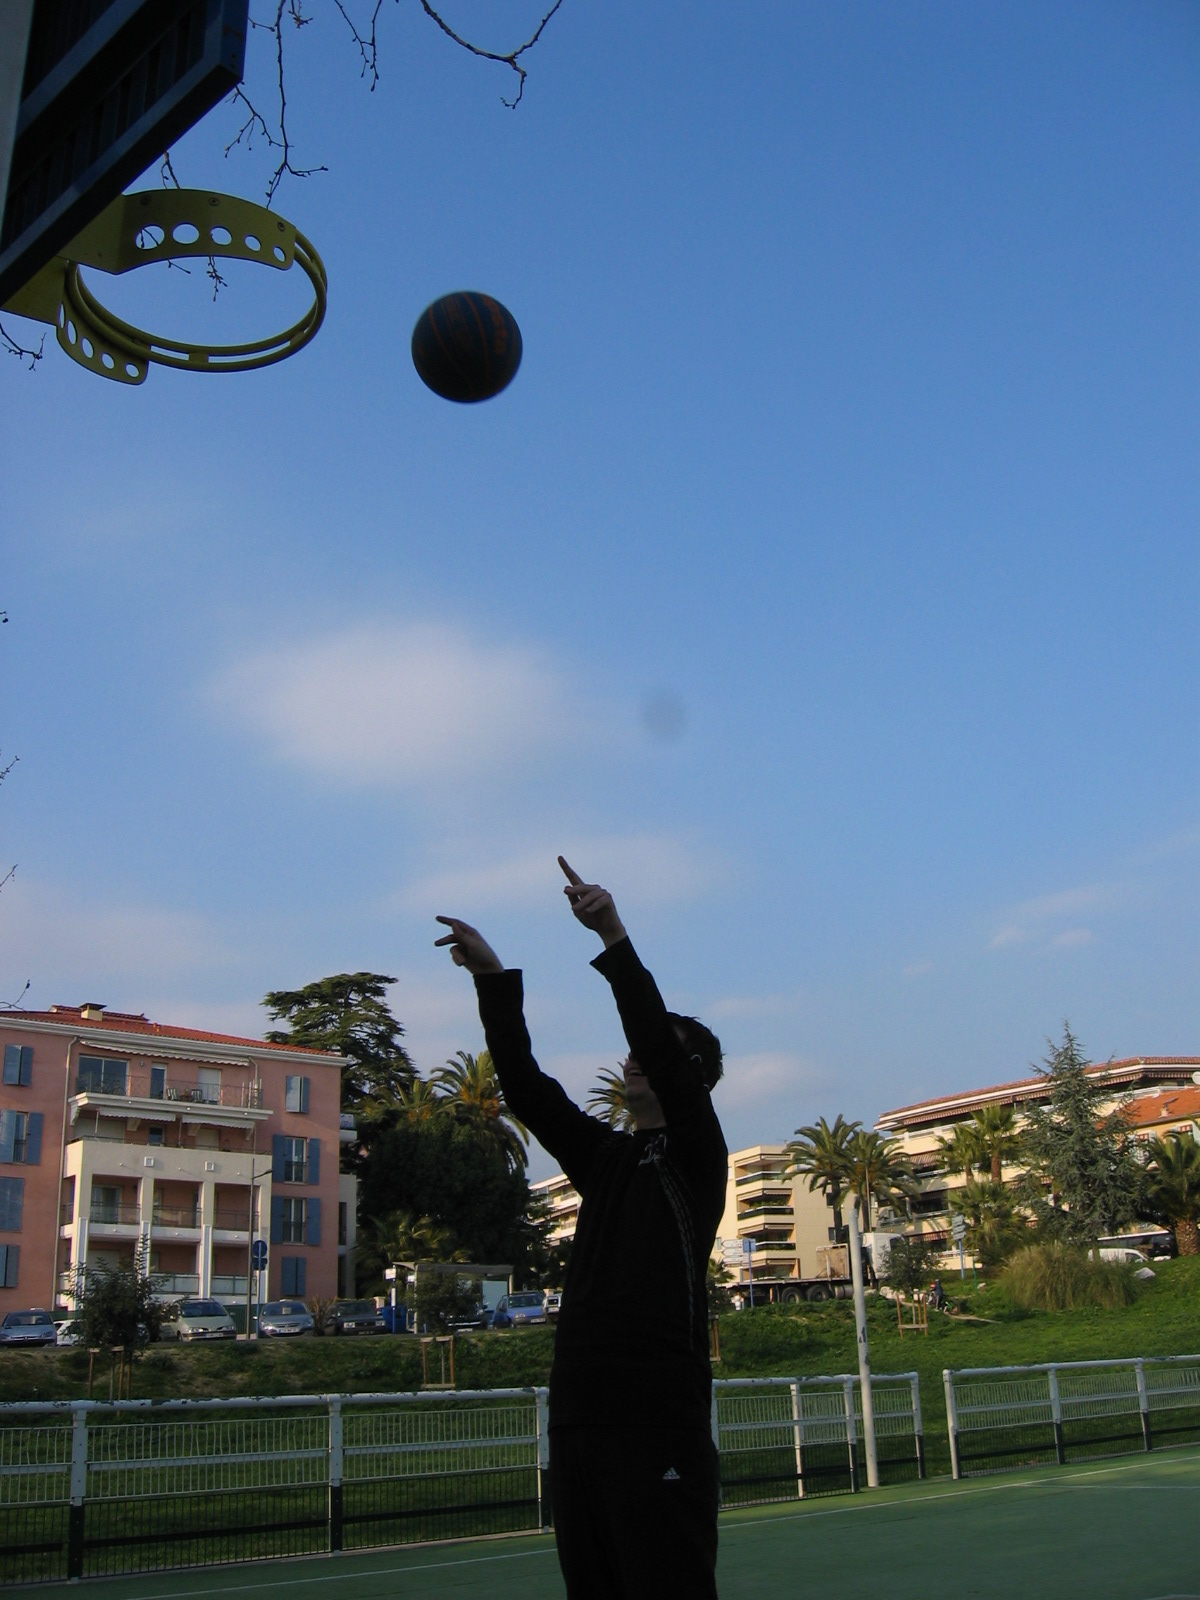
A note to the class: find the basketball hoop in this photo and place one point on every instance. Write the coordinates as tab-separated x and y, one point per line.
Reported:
137	230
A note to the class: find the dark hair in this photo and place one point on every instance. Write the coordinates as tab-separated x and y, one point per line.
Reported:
702	1045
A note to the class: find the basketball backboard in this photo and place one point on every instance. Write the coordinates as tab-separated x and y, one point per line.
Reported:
107	86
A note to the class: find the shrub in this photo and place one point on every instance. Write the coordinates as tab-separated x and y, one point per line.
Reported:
1055	1277
911	1263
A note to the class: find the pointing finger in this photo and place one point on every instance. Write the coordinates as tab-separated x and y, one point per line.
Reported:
572	875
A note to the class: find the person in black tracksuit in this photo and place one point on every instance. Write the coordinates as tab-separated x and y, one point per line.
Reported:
633	1469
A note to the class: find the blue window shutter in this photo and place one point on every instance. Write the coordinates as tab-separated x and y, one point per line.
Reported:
12	1199
304	1094
301	1274
26	1073
33	1139
312	1230
12	1063
8	1134
314	1161
277	1221
287	1275
12	1263
277	1158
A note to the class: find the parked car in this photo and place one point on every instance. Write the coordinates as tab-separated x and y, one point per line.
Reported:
553	1305
1128	1254
355	1316
480	1317
279	1319
27	1327
68	1333
198	1319
520	1310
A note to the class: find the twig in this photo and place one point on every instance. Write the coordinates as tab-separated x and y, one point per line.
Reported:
22	354
11	1005
256	120
367	47
509	60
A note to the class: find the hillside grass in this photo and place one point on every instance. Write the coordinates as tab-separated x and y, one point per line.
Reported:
792	1341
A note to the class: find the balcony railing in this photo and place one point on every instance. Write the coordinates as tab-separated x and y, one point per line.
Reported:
122	1214
241	1095
167	1283
759	1175
232	1221
230	1286
176	1216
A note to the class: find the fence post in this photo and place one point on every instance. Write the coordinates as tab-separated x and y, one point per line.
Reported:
542	1426
914	1384
1143	1402
714	1424
335	1472
851	1432
798	1432
951	1420
1060	1450
79	1463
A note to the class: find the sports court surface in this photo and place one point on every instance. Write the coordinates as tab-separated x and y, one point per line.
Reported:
1121	1530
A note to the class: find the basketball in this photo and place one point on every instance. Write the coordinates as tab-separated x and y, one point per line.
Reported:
466	347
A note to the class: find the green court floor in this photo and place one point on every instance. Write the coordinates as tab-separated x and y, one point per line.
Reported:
1116	1530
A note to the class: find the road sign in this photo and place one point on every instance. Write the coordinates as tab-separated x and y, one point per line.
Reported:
958	1228
749	1246
108	85
258	1254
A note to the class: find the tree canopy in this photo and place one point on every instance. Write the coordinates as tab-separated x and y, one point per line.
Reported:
348	1012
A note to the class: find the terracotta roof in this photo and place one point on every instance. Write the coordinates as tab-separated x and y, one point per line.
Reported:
1173	1105
136	1022
1036	1088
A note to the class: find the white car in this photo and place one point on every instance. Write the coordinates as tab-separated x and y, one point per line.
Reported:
198	1319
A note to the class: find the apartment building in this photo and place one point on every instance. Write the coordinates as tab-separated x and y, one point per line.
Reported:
1160	1095
791	1228
121	1136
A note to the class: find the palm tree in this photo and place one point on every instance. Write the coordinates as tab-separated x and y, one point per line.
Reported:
994	1225
1174	1170
419	1101
961	1152
403	1236
876	1168
472	1091
607	1101
996	1139
821	1154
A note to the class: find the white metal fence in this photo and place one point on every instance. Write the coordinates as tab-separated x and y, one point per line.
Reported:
1000	1417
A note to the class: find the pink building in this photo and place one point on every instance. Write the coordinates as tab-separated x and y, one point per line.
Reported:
119	1135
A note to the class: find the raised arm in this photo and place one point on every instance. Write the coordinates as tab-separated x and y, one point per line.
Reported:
539	1101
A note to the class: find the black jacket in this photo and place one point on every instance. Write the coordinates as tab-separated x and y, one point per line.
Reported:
632	1339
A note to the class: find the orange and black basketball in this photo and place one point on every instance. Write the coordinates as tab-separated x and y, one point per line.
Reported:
466	346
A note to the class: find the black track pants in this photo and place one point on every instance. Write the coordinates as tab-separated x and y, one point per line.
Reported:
635	1512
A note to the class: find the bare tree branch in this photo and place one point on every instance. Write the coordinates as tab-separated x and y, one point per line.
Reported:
509	60
11	1005
14	348
367	46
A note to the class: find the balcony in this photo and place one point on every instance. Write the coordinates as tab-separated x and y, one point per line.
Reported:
245	1095
125	1214
764	1209
232	1221
176	1216
759	1175
168	1284
228	1287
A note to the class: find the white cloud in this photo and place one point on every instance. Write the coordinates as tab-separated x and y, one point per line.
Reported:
67	943
1035	920
399	704
765	1077
919	969
642	869
1071	938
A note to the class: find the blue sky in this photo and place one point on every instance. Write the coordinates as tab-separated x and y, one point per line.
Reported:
826	584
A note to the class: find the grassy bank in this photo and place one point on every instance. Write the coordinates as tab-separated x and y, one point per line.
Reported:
799	1340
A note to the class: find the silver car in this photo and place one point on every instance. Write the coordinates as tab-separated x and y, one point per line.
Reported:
198	1319
280	1318
28	1327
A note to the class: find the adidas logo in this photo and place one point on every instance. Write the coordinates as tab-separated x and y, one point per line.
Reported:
670	1476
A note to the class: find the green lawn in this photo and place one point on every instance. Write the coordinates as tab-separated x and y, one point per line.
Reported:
784	1340
1121	1530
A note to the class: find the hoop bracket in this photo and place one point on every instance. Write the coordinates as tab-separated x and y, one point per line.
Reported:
154	225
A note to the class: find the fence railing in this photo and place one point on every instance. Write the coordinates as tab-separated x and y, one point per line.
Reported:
787	1438
1002	1417
95	1489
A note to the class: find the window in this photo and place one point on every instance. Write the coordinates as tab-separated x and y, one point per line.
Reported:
296	1094
21	1137
100	1075
295	1160
12	1199
293	1222
106	1203
342	1221
10	1256
18	1064
292	1273
158	1082
154	1136
208	1085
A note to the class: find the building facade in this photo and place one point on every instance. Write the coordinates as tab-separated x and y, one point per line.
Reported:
124	1139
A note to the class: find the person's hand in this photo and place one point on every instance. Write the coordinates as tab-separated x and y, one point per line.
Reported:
468	947
593	906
